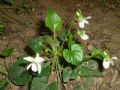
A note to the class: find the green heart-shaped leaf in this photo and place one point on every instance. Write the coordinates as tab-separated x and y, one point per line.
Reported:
75	55
53	21
18	73
62	34
89	72
36	44
46	68
39	83
69	74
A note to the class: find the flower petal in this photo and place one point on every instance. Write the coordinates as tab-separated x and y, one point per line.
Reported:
88	17
106	64
29	58
39	60
114	58
39	68
28	67
112	63
85	37
85	21
34	67
81	24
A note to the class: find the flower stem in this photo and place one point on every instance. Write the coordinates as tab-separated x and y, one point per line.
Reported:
37	54
54	35
67	32
5	65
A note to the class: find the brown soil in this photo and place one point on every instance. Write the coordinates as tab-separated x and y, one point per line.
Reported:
103	31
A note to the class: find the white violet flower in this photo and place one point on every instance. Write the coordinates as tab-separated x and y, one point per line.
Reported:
83	35
108	61
35	63
83	21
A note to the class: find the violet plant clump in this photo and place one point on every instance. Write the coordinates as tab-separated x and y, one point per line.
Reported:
66	58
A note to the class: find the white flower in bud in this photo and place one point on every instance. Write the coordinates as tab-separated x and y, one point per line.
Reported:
85	37
107	62
35	63
83	21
